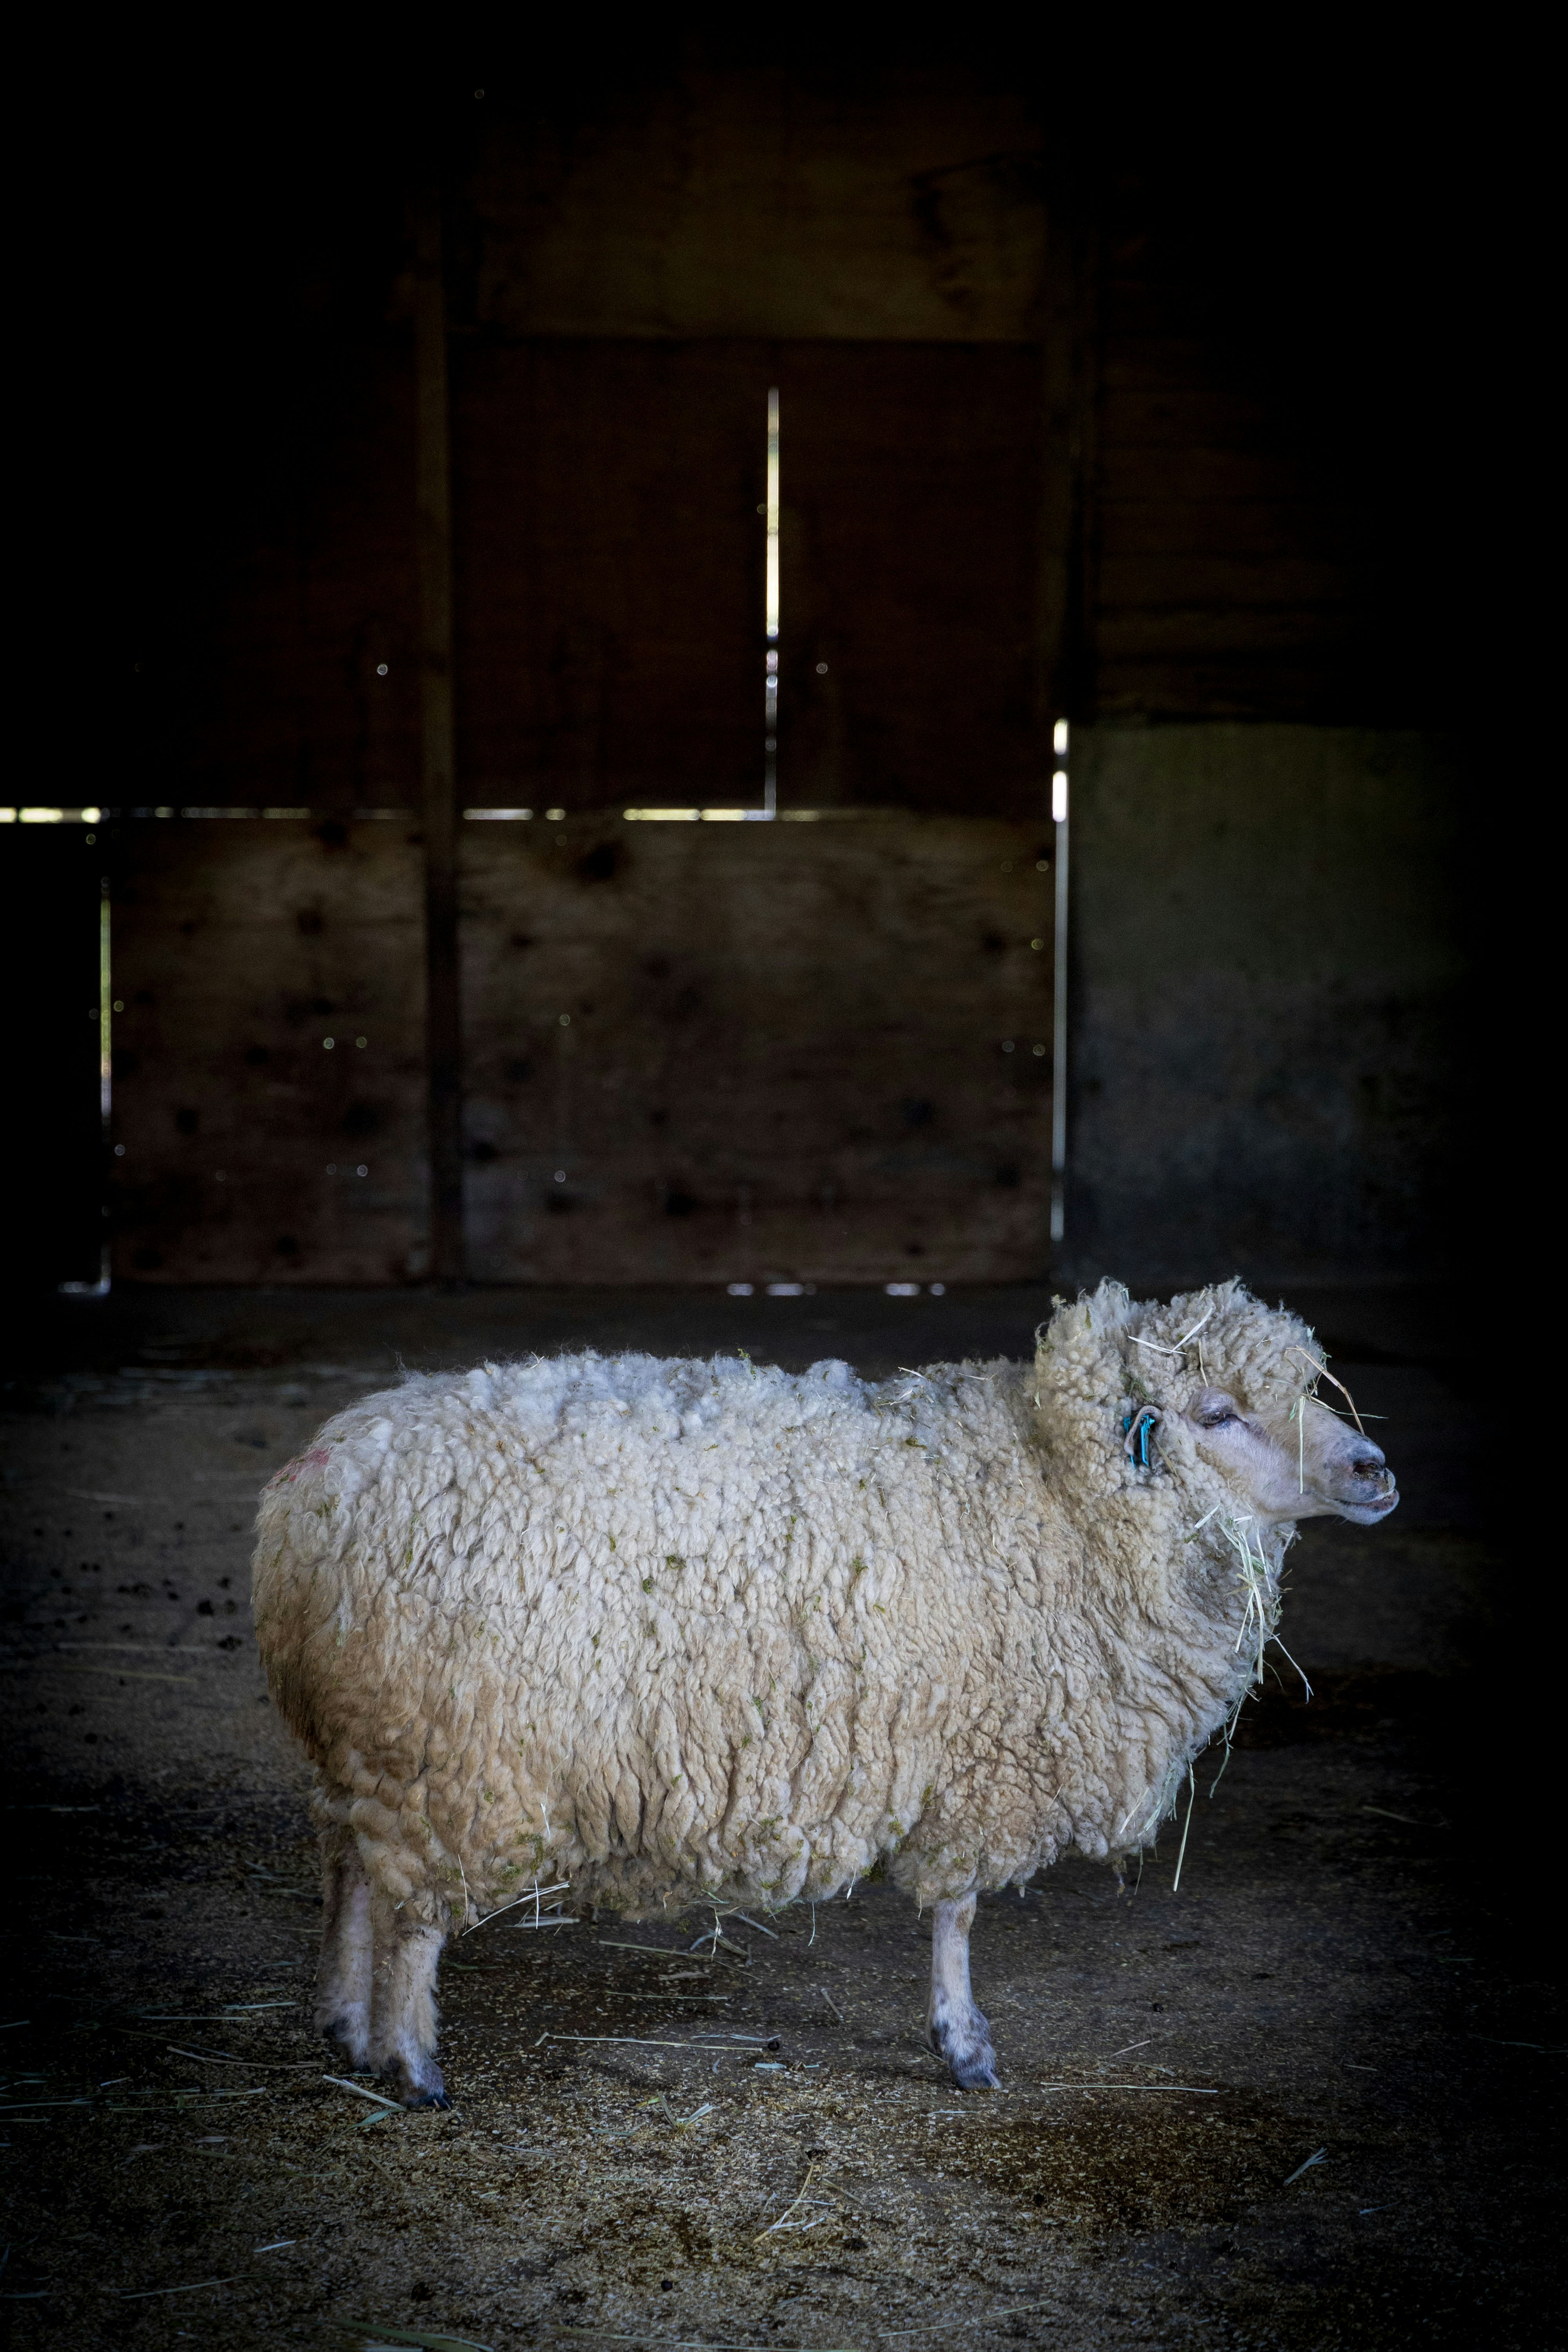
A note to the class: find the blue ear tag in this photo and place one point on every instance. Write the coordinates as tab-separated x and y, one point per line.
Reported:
1135	1438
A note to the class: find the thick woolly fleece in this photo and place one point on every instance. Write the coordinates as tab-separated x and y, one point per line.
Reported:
678	1631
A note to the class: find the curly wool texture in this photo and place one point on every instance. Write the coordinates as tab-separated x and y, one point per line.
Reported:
677	1629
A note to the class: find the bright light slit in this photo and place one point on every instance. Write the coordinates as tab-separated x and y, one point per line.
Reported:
770	608
772	575
105	1013
1059	738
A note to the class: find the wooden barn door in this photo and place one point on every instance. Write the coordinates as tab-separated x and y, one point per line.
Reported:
815	1049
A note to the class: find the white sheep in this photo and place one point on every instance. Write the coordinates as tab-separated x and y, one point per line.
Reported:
679	1631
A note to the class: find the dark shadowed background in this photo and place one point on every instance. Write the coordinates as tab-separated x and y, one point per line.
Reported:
400	975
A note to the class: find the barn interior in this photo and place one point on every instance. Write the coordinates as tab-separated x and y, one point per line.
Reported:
750	694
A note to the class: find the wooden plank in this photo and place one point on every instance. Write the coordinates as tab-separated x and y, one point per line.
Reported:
729	202
609	597
1202	632
49	908
609	622
443	1019
1196	473
910	538
238	949
1201	581
298	683
752	1053
1143	362
1231	415
1069	478
1269	686
1278	527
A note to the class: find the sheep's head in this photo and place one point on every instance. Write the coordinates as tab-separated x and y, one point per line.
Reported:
1213	1383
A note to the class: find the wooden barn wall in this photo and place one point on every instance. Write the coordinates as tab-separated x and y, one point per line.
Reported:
622	290
1274	490
961	305
238	949
903	206
51	879
1022	371
609	560
740	1052
277	659
1271	1005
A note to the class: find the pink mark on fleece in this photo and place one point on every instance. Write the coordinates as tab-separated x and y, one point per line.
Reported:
317	1457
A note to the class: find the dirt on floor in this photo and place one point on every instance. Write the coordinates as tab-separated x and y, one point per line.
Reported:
1305	2102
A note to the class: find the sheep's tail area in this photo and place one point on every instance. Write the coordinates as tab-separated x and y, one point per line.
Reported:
308	1640
359	1708
294	1587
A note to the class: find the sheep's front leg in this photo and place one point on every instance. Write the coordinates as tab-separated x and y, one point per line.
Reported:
956	2026
403	2004
344	1977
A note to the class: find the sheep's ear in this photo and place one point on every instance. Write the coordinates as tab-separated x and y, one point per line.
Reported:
1079	1351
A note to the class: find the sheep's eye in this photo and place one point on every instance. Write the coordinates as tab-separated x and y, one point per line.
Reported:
1217	1420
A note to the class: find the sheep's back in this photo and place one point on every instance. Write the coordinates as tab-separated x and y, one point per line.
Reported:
644	1615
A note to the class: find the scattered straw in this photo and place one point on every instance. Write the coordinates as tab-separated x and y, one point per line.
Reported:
1200	1324
929	2326
125	1674
135	2293
1197	2090
359	2092
640	2040
1324	1374
679	2342
534	1894
428	2339
787	2220
659	1951
1318	2155
670	1996
1187	1825
753	1923
1256	1576
227	2058
1306	1685
713	1939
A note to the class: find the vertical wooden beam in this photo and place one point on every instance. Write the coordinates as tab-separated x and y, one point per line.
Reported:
1070	389
433	505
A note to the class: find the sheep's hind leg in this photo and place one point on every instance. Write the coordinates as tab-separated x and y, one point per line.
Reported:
954	2025
403	2008
344	1977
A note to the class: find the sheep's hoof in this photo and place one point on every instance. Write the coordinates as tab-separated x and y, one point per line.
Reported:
977	2071
420	2086
965	2045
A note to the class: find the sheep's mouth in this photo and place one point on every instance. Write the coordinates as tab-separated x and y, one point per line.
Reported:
1367	1510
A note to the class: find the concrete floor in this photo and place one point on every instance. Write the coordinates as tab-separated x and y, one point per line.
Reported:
1354	1970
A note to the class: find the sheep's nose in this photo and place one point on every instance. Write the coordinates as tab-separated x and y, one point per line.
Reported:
1366	1459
